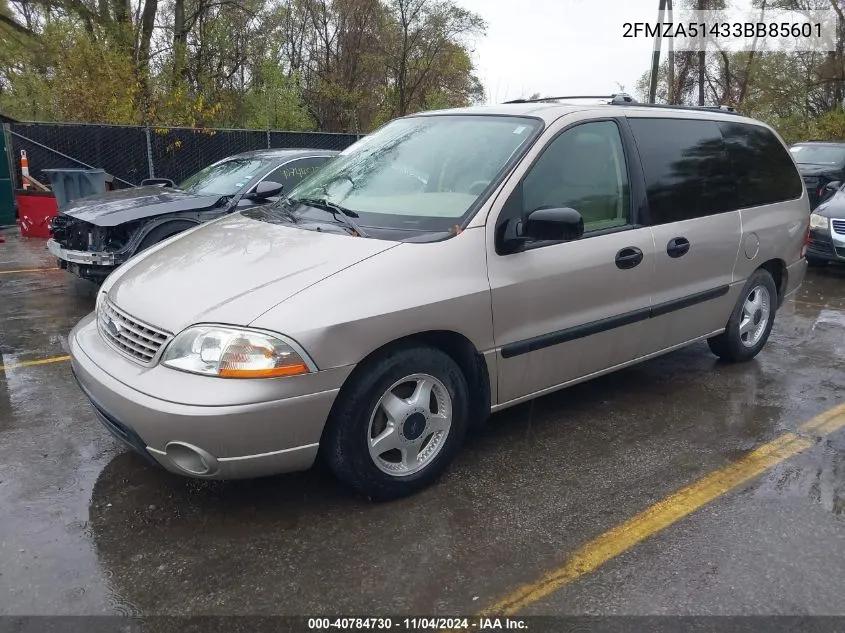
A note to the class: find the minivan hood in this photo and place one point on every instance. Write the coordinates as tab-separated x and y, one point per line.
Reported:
126	205
231	270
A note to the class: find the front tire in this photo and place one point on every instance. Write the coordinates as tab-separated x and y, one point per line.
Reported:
162	232
751	321
398	423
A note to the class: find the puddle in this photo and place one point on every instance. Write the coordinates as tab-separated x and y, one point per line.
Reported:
831	318
818	474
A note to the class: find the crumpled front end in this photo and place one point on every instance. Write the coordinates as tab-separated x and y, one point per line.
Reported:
87	250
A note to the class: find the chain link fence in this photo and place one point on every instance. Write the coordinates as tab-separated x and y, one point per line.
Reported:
133	153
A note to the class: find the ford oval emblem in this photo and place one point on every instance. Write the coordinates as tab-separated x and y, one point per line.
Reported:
113	327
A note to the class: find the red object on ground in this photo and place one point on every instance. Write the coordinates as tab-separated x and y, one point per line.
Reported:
35	210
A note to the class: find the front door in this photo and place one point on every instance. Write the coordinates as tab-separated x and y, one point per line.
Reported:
565	310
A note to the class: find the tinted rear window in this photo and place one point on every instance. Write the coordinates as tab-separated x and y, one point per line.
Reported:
764	170
686	167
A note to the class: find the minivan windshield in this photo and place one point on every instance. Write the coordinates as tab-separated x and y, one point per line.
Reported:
225	178
818	154
422	173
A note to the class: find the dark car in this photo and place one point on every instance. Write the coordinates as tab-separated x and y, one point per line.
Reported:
822	166
827	231
95	234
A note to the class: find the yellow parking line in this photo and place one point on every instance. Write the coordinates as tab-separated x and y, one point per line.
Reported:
826	423
26	270
668	511
30	363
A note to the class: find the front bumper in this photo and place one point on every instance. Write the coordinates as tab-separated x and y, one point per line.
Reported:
211	428
87	265
826	244
87	258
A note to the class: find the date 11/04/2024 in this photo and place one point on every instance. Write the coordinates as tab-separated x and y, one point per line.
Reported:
726	30
417	624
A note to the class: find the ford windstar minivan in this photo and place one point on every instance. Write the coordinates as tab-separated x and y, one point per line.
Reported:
450	264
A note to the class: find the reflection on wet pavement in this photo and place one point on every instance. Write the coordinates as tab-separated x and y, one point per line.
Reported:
89	528
819	476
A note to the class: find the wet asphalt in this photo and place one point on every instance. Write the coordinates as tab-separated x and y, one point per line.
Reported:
88	528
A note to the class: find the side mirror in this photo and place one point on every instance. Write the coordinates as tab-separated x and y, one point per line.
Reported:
166	182
264	190
832	187
553	224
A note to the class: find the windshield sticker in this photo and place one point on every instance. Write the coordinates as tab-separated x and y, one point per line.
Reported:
520	129
298	171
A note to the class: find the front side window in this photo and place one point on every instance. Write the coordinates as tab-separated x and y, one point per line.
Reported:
423	173
225	178
583	169
291	174
686	168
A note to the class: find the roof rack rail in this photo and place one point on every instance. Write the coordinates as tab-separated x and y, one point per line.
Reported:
622	98
721	108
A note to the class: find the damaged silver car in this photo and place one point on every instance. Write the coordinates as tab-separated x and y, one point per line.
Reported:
95	234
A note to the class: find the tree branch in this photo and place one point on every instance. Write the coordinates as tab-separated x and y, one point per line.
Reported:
16	27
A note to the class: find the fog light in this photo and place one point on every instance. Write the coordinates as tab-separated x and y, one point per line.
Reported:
191	459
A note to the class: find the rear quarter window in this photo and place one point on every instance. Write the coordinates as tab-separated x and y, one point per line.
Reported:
686	168
764	170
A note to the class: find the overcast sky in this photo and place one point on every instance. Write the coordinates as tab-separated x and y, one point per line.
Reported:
560	47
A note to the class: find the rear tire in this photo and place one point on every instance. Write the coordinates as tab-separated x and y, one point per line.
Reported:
816	262
751	321
414	401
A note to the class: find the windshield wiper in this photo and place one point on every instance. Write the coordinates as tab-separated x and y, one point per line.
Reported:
340	213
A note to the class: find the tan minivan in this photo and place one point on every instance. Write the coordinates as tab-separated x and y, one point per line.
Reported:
450	264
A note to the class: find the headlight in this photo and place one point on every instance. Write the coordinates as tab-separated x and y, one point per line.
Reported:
818	221
228	352
100	296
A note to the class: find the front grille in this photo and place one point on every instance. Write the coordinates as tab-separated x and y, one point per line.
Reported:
134	339
838	226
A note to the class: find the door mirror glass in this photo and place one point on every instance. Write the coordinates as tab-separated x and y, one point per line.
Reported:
264	190
557	224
